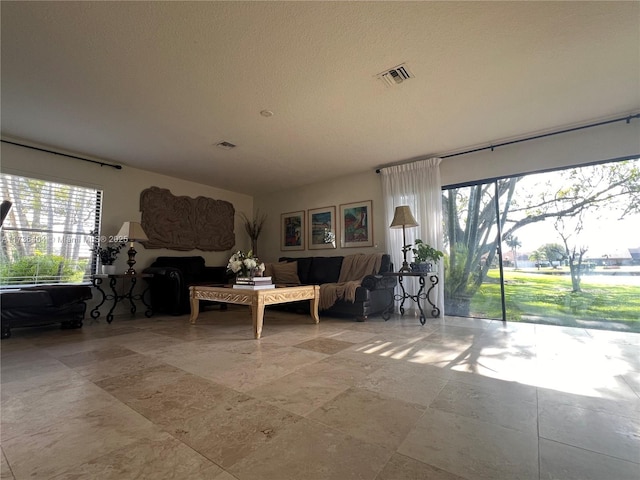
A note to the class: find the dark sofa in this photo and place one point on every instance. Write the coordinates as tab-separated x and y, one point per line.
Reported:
373	296
43	305
172	278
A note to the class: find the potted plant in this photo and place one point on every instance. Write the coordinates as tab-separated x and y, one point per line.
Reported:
253	226
108	255
422	253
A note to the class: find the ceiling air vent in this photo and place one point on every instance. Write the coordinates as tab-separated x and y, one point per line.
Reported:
396	75
225	145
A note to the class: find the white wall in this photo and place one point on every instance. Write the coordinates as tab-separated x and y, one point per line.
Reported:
595	144
121	199
583	146
365	186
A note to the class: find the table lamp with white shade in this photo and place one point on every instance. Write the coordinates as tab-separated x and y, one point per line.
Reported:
132	232
403	218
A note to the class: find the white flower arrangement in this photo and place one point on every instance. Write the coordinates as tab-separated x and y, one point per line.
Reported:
245	264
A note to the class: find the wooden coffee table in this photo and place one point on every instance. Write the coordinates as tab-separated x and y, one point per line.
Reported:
256	299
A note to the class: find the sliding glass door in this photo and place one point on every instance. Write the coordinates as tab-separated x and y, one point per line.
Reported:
558	247
472	287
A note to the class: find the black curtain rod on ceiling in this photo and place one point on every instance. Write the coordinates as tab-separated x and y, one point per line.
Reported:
626	119
102	164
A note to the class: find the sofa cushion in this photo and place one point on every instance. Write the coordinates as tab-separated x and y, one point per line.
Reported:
190	266
62	295
304	267
325	270
286	272
27	298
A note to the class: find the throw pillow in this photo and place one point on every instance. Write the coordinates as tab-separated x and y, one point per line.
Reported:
285	272
268	270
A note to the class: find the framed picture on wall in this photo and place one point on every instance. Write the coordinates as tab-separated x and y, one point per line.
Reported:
356	224
322	228
292	231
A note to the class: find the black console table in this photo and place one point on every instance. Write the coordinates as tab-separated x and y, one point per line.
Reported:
125	293
424	293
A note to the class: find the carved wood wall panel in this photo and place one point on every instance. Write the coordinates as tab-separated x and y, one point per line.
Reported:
185	223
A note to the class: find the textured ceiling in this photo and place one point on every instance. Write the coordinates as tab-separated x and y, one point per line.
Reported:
155	85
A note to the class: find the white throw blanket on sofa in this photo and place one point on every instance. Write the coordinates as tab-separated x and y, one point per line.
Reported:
354	269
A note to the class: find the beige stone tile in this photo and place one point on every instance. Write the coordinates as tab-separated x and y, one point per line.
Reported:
81	359
225	476
348	335
481	323
76	440
261	367
97	371
633	380
549	332
498	364
445	354
187	332
628	355
624	406
589	406
599	432
46	334
24	356
184	350
105	330
5	469
590	378
471	448
164	395
233	428
509	407
299	392
369	416
23	371
127	385
524	391
559	461
58	380
470	339
325	345
610	337
42	407
345	367
405	381
289	337
392	347
311	451
76	345
400	467
161	457
146	342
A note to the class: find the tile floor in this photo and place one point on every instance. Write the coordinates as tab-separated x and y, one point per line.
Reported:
456	399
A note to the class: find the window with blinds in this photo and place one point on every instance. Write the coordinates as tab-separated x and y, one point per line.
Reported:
49	232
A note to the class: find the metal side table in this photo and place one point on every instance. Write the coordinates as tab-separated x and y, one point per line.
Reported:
424	293
125	293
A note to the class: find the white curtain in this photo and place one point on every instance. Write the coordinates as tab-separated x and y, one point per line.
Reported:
418	185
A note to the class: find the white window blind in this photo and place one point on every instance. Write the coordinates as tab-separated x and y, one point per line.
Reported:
49	233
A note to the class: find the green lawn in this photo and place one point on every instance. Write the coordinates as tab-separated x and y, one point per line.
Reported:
548	299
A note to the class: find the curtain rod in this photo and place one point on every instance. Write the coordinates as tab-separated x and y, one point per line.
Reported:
102	164
626	119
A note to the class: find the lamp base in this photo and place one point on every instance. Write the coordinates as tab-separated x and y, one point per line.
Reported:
132	260
405	249
405	268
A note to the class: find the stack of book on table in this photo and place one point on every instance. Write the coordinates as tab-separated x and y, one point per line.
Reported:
254	283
